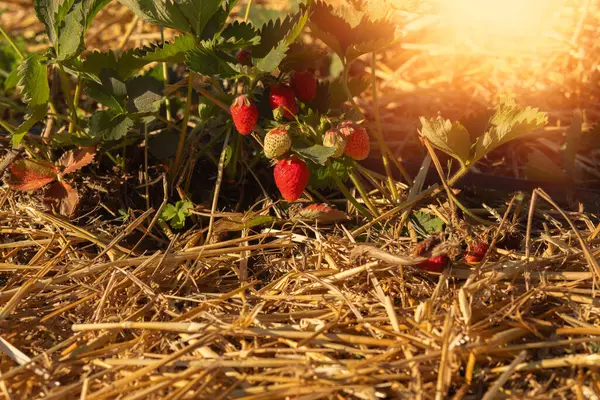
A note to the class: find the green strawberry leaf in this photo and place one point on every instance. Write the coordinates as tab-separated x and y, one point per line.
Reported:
300	56
108	125
426	224
190	16
95	62
330	28
113	84
66	22
70	37
238	35
268	55
337	94
211	62
316	153
176	214
163	145
131	61
103	96
36	115
452	139
321	176
145	93
508	122
168	212
33	79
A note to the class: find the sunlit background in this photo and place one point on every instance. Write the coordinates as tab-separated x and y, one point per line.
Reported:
503	25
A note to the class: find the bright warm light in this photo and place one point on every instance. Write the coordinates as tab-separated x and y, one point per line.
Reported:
517	25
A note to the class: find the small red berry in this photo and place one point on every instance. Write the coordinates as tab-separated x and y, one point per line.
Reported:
291	177
282	97
244	57
305	86
357	140
476	252
244	114
434	264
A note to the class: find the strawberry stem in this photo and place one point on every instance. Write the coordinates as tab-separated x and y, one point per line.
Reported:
65	85
11	42
347	194
363	193
182	133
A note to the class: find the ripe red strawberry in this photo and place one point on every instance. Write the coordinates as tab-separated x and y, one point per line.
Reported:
291	177
277	142
244	114
283	100
476	252
333	138
305	86
434	264
244	57
357	140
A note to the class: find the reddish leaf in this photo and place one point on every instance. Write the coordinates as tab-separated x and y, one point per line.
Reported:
321	213
62	197
73	161
26	174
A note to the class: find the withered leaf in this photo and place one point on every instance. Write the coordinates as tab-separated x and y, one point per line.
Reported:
72	161
62	197
26	174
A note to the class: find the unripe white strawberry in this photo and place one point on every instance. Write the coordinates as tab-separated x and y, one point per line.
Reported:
333	138
277	142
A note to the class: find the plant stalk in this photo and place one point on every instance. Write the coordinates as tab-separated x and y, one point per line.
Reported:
248	7
165	78
379	134
11	42
65	85
348	195
182	133
213	208
363	193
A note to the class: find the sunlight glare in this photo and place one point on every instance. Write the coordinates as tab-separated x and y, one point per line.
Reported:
518	24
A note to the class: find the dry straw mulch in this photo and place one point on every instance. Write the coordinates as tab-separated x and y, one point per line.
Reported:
303	311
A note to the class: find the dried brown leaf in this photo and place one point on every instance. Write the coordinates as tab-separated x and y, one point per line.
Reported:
62	197
26	174
320	213
72	161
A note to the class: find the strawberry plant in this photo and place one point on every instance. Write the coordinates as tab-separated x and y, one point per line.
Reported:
257	83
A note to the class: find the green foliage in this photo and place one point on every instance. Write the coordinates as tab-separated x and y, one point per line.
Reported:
66	22
426	224
145	93
33	79
131	61
508	122
32	74
238	35
275	39
316	153
207	60
189	16
109	125
322	176
349	33
337	94
176	214
103	95
452	139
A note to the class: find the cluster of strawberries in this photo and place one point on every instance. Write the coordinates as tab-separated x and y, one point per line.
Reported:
291	173
475	253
